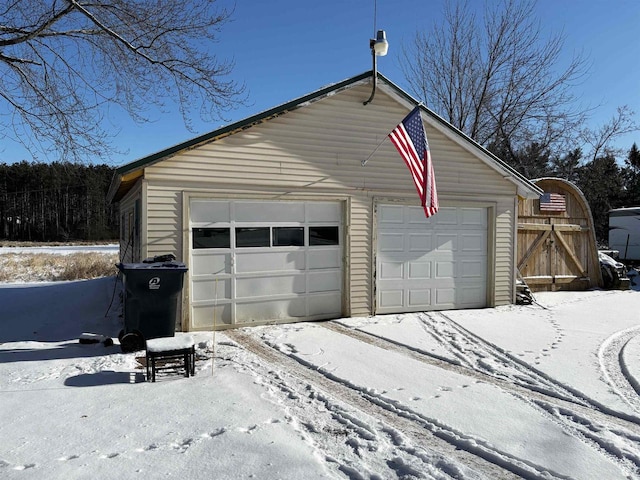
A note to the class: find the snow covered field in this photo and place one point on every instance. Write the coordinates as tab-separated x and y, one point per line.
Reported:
545	391
62	249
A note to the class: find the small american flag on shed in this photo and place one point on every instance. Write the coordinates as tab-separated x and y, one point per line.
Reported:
553	202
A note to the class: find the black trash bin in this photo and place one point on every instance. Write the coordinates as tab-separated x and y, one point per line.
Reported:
152	293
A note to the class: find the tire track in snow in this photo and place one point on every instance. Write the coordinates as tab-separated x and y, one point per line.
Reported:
614	368
303	392
445	441
590	408
494	361
618	444
587	420
490	363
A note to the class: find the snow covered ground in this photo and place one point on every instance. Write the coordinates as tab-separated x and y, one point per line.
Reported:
545	391
62	249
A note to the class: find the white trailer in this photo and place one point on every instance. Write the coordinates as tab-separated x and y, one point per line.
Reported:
624	233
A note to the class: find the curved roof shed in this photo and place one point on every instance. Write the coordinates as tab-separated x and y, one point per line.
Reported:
557	247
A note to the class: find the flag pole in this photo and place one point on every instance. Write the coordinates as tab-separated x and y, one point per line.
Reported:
364	162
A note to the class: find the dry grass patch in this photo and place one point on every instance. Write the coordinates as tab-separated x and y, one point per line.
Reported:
44	267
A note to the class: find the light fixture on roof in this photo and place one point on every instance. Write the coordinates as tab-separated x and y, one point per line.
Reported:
380	44
379	47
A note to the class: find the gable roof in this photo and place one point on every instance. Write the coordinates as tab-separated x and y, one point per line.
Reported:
127	175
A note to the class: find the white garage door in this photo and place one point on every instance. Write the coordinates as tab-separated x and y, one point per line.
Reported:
262	261
430	264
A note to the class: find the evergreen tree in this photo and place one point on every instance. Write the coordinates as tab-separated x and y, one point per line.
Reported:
532	161
632	177
60	201
567	166
602	184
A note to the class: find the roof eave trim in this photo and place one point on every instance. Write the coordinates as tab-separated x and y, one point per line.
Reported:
116	181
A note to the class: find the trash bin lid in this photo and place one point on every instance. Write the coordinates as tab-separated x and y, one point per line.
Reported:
171	265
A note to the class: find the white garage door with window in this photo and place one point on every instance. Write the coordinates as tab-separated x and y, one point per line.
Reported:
260	261
430	264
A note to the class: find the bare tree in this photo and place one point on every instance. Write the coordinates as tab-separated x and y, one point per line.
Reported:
64	62
496	78
600	139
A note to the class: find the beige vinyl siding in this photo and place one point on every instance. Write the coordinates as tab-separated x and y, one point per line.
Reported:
164	221
505	252
361	236
129	245
317	151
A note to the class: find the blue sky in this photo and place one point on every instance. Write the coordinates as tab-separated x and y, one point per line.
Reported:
287	48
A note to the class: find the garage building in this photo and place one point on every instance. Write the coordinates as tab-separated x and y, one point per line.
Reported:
278	221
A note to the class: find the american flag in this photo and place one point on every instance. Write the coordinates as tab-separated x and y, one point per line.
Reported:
552	202
410	140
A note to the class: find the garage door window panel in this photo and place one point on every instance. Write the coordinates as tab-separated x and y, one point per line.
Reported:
322	236
288	236
253	237
211	238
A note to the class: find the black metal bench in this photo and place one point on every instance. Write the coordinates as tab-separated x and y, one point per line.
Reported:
166	349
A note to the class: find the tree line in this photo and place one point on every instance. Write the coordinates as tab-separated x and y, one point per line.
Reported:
605	181
66	201
59	201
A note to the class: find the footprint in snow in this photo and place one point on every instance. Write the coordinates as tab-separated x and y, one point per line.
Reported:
70	457
148	448
250	429
215	433
184	445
